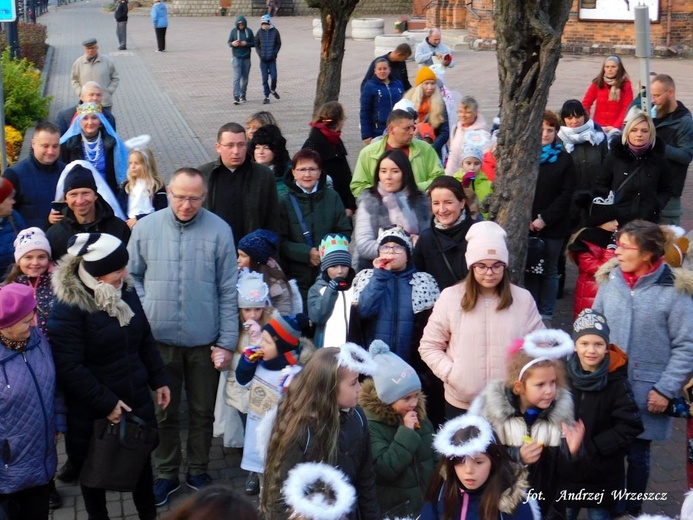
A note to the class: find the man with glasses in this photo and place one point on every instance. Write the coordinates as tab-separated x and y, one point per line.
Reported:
241	192
183	262
401	129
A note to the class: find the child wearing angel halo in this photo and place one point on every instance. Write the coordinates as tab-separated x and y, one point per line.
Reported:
143	192
401	433
317	491
263	368
476	477
319	420
532	412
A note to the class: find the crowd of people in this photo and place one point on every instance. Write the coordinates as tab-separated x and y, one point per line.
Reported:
357	334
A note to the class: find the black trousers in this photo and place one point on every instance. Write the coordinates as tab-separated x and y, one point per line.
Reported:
160	38
143	496
26	504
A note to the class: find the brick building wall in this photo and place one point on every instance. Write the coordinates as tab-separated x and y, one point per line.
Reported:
676	16
300	8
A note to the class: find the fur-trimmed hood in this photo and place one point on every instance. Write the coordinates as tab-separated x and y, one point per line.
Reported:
381	412
69	289
679	277
499	407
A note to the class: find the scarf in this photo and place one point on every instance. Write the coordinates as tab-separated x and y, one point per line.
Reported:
587	381
14	345
550	152
332	136
632	278
615	92
107	297
582	134
462	216
398	209
639	150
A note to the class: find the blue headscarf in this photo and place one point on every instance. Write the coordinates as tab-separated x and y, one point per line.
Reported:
120	152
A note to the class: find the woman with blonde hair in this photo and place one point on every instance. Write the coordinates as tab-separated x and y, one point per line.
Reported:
430	106
637	172
319	420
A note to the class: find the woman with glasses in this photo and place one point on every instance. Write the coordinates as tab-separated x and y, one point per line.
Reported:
649	310
394	200
466	339
307	212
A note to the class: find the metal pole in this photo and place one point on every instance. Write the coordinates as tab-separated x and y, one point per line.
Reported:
643	48
2	124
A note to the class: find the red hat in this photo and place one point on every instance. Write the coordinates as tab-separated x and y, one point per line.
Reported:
6	189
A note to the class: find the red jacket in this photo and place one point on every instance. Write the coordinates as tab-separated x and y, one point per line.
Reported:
588	262
608	113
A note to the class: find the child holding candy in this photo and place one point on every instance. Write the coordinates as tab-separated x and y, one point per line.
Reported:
401	434
532	412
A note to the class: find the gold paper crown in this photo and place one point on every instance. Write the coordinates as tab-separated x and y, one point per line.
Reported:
89	108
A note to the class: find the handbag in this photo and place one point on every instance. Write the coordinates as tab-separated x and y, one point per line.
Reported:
536	255
117	453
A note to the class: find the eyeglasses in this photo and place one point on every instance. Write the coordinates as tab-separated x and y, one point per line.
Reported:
627	248
192	200
391	249
483	268
308	170
231	146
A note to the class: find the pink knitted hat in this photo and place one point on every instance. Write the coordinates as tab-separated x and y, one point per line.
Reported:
16	302
486	241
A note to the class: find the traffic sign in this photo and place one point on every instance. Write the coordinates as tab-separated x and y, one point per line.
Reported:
8	10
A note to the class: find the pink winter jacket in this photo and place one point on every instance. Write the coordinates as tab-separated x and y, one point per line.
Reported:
466	350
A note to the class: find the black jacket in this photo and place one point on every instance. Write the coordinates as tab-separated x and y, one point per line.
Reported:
159	200
612	421
553	196
676	130
106	222
98	362
121	11
335	163
647	192
435	245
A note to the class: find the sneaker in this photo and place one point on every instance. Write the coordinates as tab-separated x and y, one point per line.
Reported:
275	94
198	482
236	101
55	501
242	99
266	101
164	488
68	473
252	484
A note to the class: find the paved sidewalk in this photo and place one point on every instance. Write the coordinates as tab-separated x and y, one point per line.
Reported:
181	98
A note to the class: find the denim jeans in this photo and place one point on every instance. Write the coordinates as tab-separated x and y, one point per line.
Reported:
241	71
121	32
637	475
596	513
268	68
544	287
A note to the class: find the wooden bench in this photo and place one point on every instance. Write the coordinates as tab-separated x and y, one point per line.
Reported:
259	7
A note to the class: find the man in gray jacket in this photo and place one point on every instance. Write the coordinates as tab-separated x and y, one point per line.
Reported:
183	262
93	66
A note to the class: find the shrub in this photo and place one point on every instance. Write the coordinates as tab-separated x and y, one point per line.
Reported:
23	101
32	43
13	144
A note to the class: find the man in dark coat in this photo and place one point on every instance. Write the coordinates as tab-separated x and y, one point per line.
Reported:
35	178
267	43
398	65
86	212
674	126
121	18
241	192
91	93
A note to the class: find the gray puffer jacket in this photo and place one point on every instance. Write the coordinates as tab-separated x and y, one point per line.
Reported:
185	274
652	322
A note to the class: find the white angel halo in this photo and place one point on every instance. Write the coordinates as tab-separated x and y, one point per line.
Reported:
444	444
312	504
560	346
356	359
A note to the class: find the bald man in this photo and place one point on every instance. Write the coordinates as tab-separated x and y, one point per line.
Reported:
433	47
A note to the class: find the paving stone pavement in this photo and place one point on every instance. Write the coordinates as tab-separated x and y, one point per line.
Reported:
181	97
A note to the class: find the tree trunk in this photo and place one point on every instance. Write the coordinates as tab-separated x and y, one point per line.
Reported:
334	15
529	47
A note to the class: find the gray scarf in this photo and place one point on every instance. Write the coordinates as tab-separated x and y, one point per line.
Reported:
107	297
